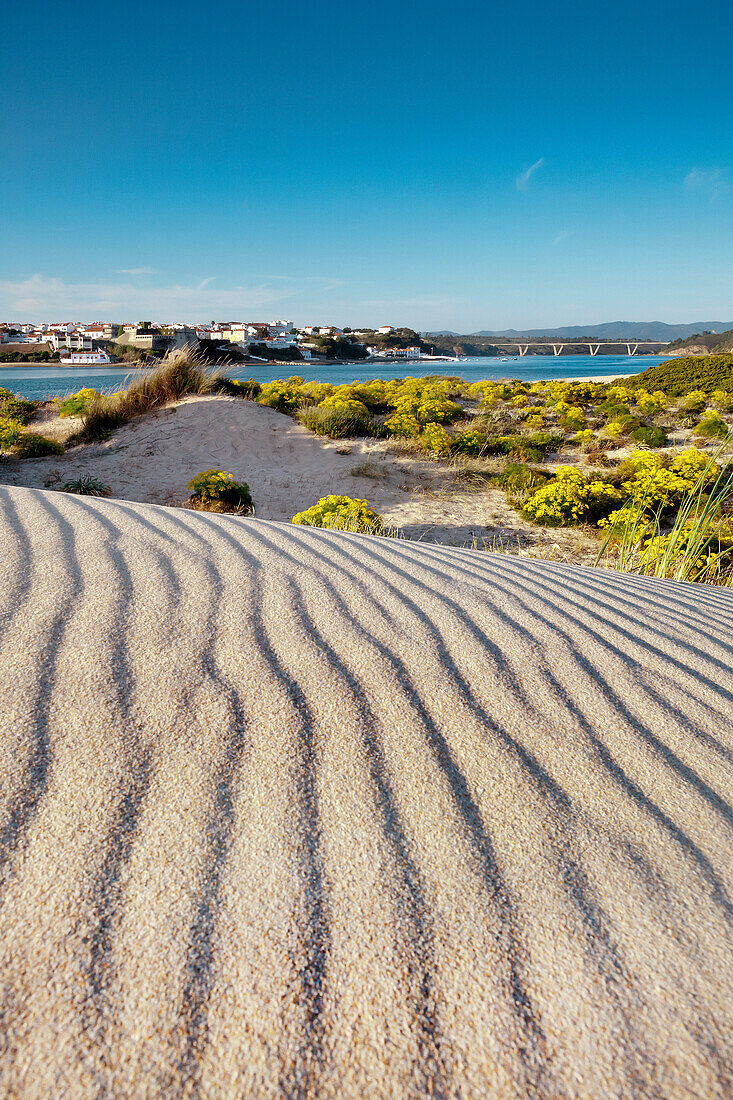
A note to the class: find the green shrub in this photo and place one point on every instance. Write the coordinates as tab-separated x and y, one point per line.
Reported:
650	437
78	403
15	408
334	421
217	491
676	377
30	445
519	482
341	513
235	387
712	426
87	486
547	441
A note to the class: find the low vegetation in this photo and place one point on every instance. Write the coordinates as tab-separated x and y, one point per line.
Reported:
179	374
342	514
217	491
88	487
629	461
32	445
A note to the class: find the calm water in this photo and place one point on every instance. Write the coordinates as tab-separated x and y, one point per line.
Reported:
43	381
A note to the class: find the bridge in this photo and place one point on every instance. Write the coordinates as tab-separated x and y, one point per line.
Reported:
632	346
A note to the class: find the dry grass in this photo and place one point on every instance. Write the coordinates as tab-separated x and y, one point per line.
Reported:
182	372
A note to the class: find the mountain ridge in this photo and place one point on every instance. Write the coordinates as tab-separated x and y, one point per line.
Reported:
610	330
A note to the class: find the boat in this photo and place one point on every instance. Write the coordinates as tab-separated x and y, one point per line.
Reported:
75	357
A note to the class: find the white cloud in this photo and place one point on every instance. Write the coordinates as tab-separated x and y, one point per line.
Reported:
524	177
41	297
712	182
562	236
136	271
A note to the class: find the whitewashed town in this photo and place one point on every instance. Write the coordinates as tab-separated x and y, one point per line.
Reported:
73	342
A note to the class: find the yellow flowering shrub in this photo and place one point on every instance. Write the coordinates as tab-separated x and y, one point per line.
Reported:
10	431
437	439
403	424
571	498
341	513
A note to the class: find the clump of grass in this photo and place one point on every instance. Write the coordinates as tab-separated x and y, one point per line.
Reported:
31	445
182	372
334	421
369	469
87	486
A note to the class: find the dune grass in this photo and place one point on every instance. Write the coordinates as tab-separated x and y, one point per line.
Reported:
180	373
696	545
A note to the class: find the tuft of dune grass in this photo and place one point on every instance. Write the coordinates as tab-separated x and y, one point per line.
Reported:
180	373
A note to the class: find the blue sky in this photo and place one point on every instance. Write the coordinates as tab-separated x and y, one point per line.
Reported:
464	166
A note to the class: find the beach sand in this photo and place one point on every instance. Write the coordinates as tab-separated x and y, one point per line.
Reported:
293	813
152	458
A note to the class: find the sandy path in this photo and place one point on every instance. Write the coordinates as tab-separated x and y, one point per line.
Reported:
291	813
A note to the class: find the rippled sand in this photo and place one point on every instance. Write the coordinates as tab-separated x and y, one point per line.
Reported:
288	813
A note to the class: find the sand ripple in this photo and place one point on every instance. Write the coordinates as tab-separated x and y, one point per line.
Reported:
286	813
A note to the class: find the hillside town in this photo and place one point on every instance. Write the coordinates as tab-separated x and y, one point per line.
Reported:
104	342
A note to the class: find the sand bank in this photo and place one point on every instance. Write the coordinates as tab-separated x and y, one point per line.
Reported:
293	813
288	468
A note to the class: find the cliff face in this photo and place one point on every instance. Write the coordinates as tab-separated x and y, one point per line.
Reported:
690	349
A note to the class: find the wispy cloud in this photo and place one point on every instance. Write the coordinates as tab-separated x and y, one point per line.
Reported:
562	236
524	177
41	297
136	271
712	182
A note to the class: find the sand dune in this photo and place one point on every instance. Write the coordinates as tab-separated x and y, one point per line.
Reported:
151	459
288	813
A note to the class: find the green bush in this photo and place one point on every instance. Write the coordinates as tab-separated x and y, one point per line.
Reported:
519	482
87	486
78	403
15	408
217	491
712	425
341	513
676	377
650	437
336	422
235	387
30	445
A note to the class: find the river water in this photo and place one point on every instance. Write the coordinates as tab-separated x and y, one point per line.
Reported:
43	381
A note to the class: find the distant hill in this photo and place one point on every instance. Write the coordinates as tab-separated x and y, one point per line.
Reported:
710	344
615	330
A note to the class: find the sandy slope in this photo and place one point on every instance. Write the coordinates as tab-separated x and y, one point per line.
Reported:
292	813
288	468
